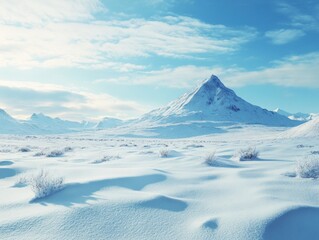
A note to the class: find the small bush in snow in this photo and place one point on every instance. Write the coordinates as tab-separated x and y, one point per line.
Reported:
39	154
106	159
308	168
55	153
24	149
146	152
43	184
5	150
248	154
68	149
164	153
22	180
210	159
304	146
194	146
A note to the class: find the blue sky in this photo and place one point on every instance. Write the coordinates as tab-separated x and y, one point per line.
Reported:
86	59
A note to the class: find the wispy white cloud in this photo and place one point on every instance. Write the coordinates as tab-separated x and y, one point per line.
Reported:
283	36
40	12
170	36
305	18
178	77
23	98
300	22
294	71
67	34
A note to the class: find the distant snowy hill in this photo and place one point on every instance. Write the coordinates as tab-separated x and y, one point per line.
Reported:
109	122
55	125
9	125
308	129
210	108
282	112
296	116
39	124
212	101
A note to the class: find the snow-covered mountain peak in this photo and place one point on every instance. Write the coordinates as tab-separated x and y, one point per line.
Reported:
5	116
213	101
299	116
212	94
211	97
212	82
3	113
36	116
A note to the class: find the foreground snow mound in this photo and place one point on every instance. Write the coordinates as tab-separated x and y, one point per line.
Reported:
299	223
188	195
308	129
212	101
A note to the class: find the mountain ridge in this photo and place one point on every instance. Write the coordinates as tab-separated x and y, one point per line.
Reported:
299	116
209	108
213	101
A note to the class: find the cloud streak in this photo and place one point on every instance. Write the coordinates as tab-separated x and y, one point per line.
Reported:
68	34
40	12
294	71
283	36
306	19
23	98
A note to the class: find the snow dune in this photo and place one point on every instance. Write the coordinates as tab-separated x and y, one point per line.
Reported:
298	223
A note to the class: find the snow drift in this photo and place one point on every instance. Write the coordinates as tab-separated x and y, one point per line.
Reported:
308	129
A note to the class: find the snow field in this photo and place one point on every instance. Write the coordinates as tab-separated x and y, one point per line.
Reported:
137	194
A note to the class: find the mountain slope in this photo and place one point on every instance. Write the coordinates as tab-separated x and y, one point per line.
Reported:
9	125
212	101
108	122
39	124
53	125
296	116
282	112
308	129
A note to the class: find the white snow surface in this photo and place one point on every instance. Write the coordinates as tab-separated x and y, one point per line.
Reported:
308	129
121	188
